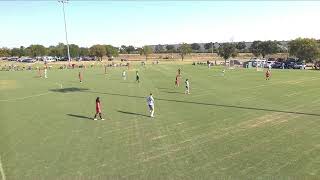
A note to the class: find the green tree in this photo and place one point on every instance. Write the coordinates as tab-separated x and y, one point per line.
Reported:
52	51
123	49
61	50
159	48
37	50
146	51
184	49
264	48
305	49
210	47
241	46
83	51
195	46
130	49
4	52
22	51
268	47
98	50
227	50
111	51
15	52
74	50
170	48
255	48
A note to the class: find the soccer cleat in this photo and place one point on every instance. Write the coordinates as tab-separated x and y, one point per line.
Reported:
95	119
102	119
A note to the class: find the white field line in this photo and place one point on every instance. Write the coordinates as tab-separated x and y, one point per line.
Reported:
26	97
31	96
3	175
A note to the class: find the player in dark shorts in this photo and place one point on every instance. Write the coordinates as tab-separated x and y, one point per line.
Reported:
268	74
80	76
137	77
179	71
98	109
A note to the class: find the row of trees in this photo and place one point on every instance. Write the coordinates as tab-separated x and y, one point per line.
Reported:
60	50
96	50
303	48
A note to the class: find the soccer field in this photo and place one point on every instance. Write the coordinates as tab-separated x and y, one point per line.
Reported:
236	126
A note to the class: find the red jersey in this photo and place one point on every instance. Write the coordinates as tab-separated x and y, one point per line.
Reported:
268	73
98	107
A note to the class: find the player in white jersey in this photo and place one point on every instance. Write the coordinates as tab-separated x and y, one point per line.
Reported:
150	102
124	75
45	73
187	87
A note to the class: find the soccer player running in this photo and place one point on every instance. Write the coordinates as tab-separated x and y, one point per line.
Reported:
137	77
268	74
187	87
98	109
150	102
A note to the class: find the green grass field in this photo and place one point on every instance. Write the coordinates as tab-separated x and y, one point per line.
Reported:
237	126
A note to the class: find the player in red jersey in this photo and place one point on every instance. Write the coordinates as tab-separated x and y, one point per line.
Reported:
268	74
177	82
98	109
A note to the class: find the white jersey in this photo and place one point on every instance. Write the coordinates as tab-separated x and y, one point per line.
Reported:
150	101
187	84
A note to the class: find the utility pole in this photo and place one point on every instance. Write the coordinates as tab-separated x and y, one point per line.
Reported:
65	27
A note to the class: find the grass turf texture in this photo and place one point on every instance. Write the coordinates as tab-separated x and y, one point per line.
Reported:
239	125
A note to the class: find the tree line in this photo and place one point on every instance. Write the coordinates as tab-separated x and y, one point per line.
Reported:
306	49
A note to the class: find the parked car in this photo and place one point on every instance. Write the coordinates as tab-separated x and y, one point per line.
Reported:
48	59
269	63
278	65
236	62
12	58
28	60
290	64
299	65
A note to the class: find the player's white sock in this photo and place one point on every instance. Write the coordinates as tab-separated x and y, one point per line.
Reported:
152	112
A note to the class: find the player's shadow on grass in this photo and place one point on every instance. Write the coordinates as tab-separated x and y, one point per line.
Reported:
213	104
172	92
79	116
127	82
132	113
66	90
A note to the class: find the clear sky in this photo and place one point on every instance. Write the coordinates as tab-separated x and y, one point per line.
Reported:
141	23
